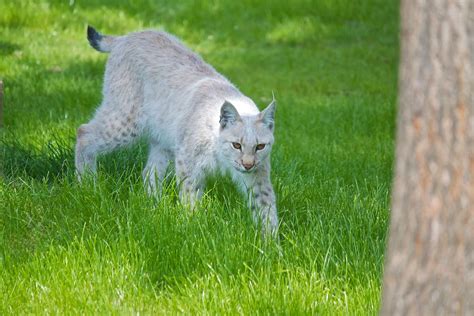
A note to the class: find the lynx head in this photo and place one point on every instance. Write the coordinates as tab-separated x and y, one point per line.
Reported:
245	141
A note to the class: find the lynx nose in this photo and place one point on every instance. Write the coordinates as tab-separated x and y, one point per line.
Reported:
248	166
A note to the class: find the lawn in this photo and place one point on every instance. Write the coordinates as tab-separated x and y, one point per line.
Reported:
108	248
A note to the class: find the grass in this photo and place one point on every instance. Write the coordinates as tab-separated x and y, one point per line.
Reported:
108	248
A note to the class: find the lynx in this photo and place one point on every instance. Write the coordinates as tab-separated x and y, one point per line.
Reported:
157	89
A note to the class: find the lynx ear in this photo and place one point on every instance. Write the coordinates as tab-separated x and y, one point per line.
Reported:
229	114
268	115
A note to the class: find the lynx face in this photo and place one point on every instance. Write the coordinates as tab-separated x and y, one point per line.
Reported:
245	141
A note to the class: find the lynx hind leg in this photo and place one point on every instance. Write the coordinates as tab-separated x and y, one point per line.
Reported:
100	136
155	169
86	150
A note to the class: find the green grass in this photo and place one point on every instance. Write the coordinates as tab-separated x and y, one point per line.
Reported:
108	248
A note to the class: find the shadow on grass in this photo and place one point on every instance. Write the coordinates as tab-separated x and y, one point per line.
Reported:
7	48
51	162
55	160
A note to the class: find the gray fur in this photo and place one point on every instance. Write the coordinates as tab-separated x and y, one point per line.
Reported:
157	88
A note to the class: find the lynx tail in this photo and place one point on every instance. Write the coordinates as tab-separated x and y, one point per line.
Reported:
102	43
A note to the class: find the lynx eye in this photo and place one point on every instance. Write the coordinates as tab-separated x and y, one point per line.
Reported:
237	145
260	146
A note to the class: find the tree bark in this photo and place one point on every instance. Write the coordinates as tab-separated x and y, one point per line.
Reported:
429	267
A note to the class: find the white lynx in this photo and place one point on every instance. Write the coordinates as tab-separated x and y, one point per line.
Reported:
155	87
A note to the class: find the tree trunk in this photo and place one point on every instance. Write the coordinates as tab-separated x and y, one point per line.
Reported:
429	268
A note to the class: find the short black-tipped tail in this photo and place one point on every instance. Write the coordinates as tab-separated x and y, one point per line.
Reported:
94	37
102	43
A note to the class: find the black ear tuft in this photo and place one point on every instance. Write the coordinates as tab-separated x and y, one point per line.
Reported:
229	114
268	115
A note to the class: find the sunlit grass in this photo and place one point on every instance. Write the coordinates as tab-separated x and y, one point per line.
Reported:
106	247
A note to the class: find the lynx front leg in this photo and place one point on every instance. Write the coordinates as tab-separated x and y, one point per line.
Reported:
190	182
155	169
262	201
263	204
